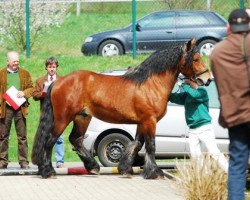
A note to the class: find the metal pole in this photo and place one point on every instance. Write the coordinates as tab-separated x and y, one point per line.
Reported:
134	27
27	29
78	7
208	4
242	2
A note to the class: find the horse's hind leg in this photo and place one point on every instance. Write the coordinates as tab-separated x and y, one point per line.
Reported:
76	139
127	160
45	169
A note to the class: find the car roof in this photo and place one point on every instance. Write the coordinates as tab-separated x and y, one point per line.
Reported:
115	72
189	11
184	10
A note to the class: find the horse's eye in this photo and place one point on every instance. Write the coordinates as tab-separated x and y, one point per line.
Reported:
195	60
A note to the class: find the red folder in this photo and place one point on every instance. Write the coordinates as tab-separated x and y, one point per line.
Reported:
11	98
45	88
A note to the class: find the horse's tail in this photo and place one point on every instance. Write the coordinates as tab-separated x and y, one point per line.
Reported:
44	130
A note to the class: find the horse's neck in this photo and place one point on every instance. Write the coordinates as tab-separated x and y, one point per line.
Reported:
165	82
169	78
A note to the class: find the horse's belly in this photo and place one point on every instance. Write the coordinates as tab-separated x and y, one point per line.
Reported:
115	117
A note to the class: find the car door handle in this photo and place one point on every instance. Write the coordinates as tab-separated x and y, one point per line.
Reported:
169	32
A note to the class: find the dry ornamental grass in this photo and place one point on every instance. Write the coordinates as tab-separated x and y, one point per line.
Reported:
202	180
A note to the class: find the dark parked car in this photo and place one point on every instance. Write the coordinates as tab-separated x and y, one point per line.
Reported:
159	30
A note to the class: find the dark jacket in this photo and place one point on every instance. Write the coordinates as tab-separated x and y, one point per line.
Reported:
25	85
232	80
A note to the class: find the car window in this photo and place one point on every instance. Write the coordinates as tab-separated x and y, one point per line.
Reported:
215	19
157	20
212	94
194	19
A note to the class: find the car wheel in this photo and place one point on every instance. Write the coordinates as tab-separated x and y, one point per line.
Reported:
111	148
206	46
110	48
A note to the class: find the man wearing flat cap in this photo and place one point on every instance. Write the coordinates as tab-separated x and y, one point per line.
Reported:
230	64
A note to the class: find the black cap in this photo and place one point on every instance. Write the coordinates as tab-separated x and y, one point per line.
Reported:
239	21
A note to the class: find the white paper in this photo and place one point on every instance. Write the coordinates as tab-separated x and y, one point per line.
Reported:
12	94
46	86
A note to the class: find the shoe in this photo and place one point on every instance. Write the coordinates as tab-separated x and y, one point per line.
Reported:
3	166
25	166
60	165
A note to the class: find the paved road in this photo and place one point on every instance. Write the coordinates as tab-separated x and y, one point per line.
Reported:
86	187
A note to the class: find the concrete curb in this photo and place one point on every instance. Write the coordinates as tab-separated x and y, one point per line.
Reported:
63	171
75	168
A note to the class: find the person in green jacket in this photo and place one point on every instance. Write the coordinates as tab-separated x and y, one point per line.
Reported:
196	103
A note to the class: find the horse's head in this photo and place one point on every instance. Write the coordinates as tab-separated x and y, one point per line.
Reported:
192	65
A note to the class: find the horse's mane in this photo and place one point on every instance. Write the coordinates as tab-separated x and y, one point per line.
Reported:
158	62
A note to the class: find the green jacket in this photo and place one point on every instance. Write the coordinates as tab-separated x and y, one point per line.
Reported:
196	103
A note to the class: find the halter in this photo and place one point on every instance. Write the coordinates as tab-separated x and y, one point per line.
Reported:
195	77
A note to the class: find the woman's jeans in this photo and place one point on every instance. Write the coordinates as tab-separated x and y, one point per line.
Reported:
59	150
239	147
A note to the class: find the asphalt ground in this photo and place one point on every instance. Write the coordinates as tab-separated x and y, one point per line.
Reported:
87	187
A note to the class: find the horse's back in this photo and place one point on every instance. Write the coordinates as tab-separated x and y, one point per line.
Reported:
109	98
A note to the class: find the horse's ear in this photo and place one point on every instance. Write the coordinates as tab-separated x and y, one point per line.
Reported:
191	43
184	48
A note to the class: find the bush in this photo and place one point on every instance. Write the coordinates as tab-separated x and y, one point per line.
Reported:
202	182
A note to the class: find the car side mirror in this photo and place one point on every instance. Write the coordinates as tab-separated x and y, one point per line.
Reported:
137	27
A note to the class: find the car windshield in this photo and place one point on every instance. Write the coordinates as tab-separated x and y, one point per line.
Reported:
213	95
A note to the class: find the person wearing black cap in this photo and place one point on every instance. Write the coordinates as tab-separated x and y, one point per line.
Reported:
230	65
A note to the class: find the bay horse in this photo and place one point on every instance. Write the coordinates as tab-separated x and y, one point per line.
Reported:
138	97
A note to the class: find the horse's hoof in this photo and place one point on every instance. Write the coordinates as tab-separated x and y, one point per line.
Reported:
125	169
94	171
48	175
52	177
155	173
127	175
160	177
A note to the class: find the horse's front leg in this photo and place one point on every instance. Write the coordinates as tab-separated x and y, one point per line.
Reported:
128	157
150	168
46	170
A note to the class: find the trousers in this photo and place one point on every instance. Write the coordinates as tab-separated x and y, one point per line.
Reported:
239	148
21	130
59	150
205	134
